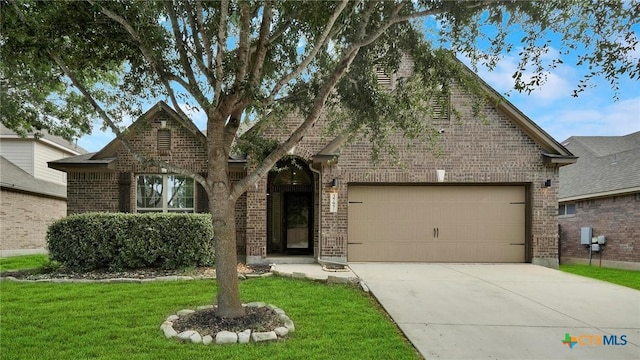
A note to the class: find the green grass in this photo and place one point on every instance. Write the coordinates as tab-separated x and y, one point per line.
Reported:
116	321
23	262
628	278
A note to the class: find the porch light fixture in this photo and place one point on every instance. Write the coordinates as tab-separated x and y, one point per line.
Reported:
334	183
547	183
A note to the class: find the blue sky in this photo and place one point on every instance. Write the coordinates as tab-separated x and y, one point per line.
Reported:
593	113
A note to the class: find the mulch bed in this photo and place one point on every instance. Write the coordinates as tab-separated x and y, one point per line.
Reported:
64	273
207	322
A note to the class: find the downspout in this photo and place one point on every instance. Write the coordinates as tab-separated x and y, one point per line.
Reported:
320	187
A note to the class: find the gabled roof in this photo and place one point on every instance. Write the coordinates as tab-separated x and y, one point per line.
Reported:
51	140
607	165
16	179
554	152
105	158
112	148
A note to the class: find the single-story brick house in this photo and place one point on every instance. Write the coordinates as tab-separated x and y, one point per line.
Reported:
496	200
601	191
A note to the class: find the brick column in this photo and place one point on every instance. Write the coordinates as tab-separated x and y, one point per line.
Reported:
334	225
257	222
545	219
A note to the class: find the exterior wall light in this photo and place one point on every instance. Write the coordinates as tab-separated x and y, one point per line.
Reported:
334	183
547	183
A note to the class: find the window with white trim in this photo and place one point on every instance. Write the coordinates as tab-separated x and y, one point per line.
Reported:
567	209
164	193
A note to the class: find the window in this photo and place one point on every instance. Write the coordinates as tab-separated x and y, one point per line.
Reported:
164	193
567	209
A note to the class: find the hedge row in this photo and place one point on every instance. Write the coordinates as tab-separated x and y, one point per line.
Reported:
113	241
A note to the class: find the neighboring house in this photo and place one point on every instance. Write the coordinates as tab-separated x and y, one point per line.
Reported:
496	203
602	191
32	195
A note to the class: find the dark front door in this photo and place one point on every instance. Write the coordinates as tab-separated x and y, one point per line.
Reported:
297	223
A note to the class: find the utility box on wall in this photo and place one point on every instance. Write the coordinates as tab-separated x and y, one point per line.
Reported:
585	235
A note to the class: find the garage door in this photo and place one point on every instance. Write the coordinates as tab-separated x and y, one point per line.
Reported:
436	223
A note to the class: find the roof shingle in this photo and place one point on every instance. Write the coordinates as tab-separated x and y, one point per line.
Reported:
605	164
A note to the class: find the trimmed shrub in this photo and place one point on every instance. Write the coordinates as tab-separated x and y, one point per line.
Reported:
112	241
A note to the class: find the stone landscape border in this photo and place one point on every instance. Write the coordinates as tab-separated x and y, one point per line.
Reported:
130	280
228	337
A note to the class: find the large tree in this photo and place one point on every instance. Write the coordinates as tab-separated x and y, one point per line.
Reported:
66	63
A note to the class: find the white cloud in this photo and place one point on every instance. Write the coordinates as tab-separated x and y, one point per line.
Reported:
559	83
613	119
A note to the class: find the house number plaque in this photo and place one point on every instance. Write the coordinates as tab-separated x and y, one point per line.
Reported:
333	202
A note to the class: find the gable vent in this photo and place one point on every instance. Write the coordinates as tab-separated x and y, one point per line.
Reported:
384	80
164	140
440	112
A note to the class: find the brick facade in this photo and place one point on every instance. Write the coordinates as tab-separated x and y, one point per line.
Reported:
472	151
94	190
615	217
26	218
493	150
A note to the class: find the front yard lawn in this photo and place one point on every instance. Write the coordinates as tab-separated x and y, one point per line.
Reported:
23	262
122	320
628	278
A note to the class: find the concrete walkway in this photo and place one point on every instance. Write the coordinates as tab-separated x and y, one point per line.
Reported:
510	311
314	272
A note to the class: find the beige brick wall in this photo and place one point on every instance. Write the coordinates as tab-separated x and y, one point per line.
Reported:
25	218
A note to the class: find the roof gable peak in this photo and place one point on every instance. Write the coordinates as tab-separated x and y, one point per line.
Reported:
140	124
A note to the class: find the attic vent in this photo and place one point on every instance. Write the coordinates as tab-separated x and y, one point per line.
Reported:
440	111
384	80
164	140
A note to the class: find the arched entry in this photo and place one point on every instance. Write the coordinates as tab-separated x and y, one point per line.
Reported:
290	208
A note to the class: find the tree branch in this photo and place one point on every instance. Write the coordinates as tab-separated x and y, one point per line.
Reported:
265	166
148	55
243	45
144	160
261	48
196	31
222	39
320	42
192	85
104	116
203	34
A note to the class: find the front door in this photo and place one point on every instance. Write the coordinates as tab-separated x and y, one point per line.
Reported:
297	223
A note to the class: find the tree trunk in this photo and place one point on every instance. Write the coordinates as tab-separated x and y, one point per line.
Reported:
222	207
224	225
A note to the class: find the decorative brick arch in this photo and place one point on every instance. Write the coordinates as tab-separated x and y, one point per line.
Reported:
302	152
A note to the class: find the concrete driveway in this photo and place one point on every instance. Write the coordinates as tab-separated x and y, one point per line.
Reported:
510	311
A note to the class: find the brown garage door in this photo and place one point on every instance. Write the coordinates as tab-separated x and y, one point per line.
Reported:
436	223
